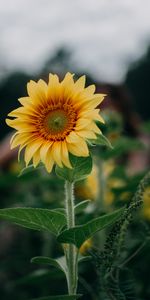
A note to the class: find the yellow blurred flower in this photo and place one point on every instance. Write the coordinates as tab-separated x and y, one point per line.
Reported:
146	203
108	167
113	136
87	245
55	119
116	183
125	196
109	197
146	213
146	196
89	188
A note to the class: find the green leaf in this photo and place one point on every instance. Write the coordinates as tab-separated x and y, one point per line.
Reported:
81	168
79	234
84	258
101	140
60	297
39	276
29	169
78	207
122	146
59	263
61	210
35	218
81	206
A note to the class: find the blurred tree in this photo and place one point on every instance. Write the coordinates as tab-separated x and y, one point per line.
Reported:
3	64
137	81
59	63
11	88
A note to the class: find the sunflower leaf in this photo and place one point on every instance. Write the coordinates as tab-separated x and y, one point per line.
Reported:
84	258
81	206
35	218
29	169
101	140
60	297
79	234
59	263
81	168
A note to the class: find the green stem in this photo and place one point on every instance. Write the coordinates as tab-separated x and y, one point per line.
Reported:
71	251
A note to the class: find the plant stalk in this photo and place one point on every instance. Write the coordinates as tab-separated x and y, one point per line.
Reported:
71	250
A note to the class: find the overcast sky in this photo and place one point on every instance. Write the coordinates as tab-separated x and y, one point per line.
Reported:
105	35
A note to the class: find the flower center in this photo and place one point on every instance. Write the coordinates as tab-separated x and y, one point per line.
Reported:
56	121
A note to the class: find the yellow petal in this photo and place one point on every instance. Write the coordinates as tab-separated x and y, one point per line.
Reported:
94	102
24	119
92	114
80	83
98	118
67	87
53	87
94	127
56	153
21	125
68	79
73	138
36	158
25	101
77	93
87	134
31	149
65	155
44	150
19	112
79	149
31	88
37	91
42	85
82	98
85	95
25	128
23	145
82	123
49	162
53	80
20	139
13	136
90	90
9	122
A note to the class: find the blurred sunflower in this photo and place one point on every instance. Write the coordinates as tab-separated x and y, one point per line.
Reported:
89	188
55	119
86	246
146	203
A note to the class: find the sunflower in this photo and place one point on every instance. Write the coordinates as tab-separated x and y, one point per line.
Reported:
56	119
86	246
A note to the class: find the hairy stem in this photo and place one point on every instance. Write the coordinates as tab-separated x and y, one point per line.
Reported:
71	251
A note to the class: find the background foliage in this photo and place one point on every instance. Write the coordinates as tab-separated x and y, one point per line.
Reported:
119	267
